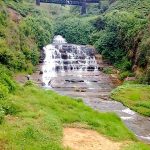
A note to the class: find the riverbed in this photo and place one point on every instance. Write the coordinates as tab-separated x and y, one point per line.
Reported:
74	71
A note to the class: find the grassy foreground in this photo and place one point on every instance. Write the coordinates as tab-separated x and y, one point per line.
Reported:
40	115
134	96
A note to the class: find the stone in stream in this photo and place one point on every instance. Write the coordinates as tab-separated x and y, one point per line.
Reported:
65	67
74	80
90	68
64	56
43	84
57	68
77	89
41	72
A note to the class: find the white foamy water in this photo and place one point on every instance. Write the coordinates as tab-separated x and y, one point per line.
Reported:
62	57
126	118
58	39
128	111
145	137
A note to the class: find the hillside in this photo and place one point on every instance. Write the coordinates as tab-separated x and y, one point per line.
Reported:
24	29
119	30
32	118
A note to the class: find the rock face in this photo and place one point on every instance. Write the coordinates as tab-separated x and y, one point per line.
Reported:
42	56
68	57
63	57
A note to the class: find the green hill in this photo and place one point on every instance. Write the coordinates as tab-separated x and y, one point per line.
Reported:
32	118
120	32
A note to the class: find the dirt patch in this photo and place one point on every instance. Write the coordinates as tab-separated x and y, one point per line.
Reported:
35	77
84	139
14	15
3	144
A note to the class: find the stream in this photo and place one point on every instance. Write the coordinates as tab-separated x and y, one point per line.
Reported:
74	71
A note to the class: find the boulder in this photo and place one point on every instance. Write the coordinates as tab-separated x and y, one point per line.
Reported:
64	56
41	72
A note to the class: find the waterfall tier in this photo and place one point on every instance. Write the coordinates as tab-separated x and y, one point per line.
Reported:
61	56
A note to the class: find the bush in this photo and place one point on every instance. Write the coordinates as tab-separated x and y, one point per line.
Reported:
108	70
9	107
124	64
7	82
37	27
125	74
29	83
1	115
3	91
75	30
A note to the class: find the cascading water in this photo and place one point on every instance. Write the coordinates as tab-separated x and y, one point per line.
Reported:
73	70
60	57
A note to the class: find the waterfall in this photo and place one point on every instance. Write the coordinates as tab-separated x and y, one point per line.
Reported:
63	57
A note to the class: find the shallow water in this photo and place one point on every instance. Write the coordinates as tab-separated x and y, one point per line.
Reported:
73	70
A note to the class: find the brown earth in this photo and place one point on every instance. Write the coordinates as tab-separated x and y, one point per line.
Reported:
14	15
36	77
84	139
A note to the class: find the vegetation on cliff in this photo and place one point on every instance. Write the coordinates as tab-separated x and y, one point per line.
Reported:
120	32
24	29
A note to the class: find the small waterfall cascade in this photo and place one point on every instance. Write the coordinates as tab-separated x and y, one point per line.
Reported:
62	57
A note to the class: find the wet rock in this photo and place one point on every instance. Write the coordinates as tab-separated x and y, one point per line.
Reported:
80	89
66	62
57	68
81	57
61	50
43	84
49	83
65	67
90	68
71	68
100	68
94	81
90	51
56	46
64	56
42	56
41	72
74	80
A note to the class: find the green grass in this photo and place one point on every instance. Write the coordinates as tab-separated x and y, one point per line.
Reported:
134	96
41	116
137	146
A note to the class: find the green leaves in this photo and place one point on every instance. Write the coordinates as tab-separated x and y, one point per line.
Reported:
75	30
39	28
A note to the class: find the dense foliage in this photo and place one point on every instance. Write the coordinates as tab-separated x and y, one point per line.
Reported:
74	29
119	30
24	30
122	37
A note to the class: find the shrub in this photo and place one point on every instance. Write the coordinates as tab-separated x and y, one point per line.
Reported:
3	91
125	74
9	107
75	30
108	70
37	27
29	83
7	82
1	115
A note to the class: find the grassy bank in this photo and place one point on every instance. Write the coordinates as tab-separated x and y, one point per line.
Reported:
134	96
35	119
